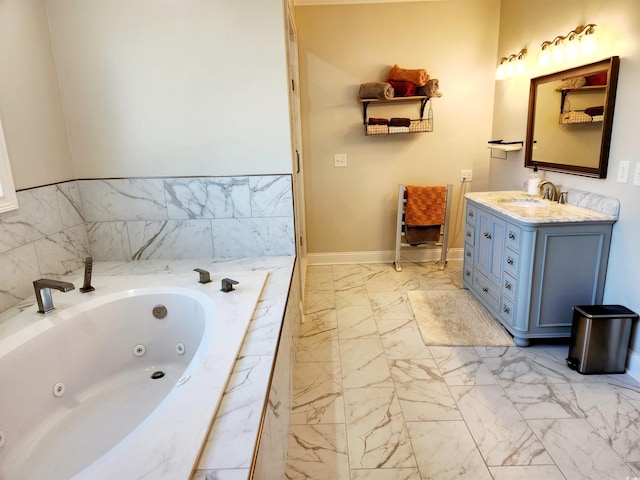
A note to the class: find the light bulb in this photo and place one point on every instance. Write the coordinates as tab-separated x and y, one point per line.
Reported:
511	68
589	43
573	47
558	52
500	72
521	66
544	58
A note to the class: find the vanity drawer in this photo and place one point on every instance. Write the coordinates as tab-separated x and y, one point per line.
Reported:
509	285
471	215
512	239
511	262
487	290
506	311
469	234
468	254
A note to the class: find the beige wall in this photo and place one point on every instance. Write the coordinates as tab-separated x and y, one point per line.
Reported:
526	23
173	88
118	88
353	209
30	105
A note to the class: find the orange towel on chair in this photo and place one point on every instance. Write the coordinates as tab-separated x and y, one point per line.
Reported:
425	205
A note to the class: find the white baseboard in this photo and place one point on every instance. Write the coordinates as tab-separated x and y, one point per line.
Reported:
385	256
633	365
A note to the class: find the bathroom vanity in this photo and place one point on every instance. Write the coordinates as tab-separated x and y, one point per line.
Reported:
529	260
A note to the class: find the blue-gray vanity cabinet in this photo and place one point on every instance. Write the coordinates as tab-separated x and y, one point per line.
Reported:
529	276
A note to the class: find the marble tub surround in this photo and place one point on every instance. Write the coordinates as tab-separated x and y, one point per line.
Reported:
45	237
228	451
447	412
581	207
57	226
177	218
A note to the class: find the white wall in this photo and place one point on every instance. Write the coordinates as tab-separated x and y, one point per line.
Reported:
526	23
353	209
30	105
154	88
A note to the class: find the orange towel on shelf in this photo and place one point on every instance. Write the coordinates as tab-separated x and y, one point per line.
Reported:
418	76
425	205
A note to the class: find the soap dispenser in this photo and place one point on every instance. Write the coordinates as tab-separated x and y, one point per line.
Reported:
534	182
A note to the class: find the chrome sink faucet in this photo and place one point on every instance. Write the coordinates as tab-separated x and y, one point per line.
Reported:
43	292
549	190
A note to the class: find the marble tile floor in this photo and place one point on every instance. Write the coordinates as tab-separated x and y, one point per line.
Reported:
371	401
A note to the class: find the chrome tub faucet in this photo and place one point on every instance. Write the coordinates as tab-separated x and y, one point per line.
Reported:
43	292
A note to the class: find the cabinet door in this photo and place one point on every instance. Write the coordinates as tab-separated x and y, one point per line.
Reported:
490	245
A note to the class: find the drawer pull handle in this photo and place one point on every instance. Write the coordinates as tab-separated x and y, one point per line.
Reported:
510	261
468	254
485	289
471	214
487	235
512	236
507	286
467	273
468	234
506	309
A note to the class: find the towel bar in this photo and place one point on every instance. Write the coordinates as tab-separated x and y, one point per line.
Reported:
400	229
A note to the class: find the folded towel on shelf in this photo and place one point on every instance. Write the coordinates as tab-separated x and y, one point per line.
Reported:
419	77
431	89
420	126
417	235
425	205
593	111
403	89
376	90
396	129
575	116
599	78
400	122
377	130
571	83
378	121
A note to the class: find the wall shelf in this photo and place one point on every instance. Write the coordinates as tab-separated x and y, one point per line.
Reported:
420	125
507	147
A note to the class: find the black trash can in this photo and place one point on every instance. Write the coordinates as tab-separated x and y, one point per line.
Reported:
600	338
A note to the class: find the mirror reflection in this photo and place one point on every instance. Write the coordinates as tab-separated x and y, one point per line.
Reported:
570	118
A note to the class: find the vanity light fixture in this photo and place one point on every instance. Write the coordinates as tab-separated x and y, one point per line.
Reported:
581	39
512	65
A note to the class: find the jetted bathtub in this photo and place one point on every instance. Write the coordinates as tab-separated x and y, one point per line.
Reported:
120	383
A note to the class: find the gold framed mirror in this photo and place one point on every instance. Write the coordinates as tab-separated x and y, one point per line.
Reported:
570	119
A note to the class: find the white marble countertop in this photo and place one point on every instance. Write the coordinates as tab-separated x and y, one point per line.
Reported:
230	446
534	210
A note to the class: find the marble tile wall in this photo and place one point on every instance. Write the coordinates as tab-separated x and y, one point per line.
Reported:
177	218
45	237
57	226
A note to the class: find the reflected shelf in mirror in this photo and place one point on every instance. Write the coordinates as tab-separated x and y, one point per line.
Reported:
570	119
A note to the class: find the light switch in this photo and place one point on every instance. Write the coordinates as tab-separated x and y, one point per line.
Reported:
636	175
340	160
623	172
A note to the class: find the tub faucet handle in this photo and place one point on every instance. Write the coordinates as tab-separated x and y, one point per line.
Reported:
204	275
88	269
227	285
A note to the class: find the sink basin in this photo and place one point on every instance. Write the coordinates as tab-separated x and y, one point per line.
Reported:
525	202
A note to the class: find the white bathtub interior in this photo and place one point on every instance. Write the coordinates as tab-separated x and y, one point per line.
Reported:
78	398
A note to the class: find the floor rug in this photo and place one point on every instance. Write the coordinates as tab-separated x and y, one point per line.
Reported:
455	318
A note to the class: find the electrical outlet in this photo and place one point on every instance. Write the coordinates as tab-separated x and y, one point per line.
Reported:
636	175
466	175
340	160
623	172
